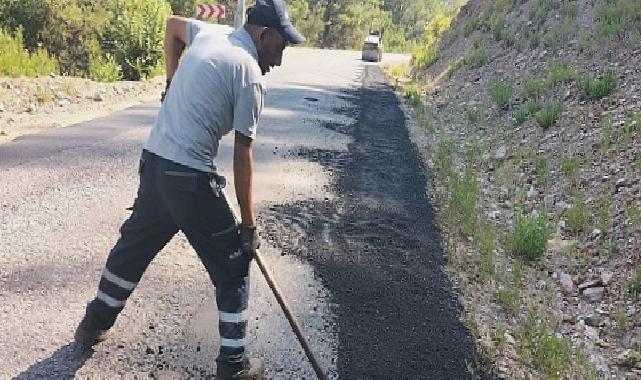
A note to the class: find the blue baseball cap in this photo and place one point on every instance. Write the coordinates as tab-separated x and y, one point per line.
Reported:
273	13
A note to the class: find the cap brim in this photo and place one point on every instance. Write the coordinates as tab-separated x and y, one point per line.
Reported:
292	35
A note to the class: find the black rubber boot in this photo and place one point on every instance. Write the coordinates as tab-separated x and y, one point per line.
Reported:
250	369
88	333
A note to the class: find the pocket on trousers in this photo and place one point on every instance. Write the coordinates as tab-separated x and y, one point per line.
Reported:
182	181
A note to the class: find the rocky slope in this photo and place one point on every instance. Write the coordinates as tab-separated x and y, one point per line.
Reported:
530	123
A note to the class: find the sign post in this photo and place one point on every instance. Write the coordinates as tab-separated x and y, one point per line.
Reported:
239	19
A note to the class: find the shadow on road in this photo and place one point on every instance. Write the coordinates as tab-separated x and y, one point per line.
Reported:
62	364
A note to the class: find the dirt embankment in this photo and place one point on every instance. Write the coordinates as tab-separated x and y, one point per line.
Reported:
29	105
532	109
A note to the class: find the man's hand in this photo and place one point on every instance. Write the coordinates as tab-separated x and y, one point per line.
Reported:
164	93
249	240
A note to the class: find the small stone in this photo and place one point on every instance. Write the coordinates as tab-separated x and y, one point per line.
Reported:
606	278
149	351
566	283
98	97
64	102
591	333
501	153
532	193
596	232
509	339
1	107
594	320
590	284
594	294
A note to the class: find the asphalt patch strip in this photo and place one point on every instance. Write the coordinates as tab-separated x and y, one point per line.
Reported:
377	248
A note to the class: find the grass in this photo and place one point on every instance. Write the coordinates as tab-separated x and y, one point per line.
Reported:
596	88
473	115
43	96
69	89
509	298
634	216
414	94
464	193
501	92
569	165
538	13
547	118
621	319
472	26
424	57
529	236
577	215
487	248
547	352
444	158
533	106
560	72
453	67
559	35
541	168
521	115
533	88
617	20
570	10
633	286
477	58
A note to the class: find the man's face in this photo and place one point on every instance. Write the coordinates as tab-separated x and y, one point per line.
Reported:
270	51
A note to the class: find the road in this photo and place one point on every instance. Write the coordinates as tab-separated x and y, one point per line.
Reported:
349	233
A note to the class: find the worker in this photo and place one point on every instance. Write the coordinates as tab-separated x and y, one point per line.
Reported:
216	88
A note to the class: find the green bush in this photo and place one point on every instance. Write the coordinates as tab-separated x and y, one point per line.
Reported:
414	94
424	57
618	19
138	33
541	168
548	117
520	115
538	344
597	88
487	247
453	67
533	106
633	286
104	69
529	236
560	72
15	61
533	89
501	92
477	58
569	165
538	13
464	194
577	215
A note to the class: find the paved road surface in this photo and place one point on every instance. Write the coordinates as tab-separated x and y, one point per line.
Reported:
351	241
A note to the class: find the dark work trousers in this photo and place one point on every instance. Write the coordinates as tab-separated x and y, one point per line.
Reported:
173	197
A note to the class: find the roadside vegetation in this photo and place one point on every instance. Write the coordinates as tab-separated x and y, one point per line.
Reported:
533	156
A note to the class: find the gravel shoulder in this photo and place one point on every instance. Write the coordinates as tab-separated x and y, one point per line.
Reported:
31	105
